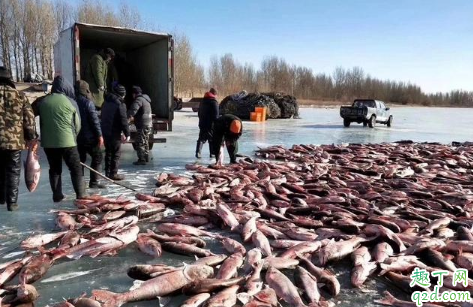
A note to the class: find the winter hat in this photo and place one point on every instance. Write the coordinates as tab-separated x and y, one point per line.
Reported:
4	73
82	88
235	126
119	90
5	77
136	90
110	52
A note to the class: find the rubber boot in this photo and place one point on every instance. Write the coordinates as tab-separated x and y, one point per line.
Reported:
198	149
211	149
12	207
2	188
79	186
56	186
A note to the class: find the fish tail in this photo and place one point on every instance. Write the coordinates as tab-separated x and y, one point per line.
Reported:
108	298
243	297
388	299
383	269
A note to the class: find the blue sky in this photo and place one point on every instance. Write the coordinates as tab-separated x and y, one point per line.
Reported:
427	42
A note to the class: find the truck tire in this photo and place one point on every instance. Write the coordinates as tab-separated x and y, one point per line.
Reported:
390	121
346	123
372	121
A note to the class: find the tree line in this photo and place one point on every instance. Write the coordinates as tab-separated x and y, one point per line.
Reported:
275	75
29	29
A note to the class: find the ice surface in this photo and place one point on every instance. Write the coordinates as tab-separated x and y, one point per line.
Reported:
318	126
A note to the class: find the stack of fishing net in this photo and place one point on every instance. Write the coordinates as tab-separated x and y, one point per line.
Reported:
287	103
242	104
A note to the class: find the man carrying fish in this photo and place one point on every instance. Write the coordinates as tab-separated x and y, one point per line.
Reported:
227	128
60	124
17	126
89	140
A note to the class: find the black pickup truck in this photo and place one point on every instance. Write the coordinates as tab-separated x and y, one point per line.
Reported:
366	111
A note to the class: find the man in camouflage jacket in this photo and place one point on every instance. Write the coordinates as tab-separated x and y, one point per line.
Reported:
17	128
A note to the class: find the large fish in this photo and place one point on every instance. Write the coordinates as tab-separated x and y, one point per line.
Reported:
32	169
284	288
210	285
308	283
224	298
156	287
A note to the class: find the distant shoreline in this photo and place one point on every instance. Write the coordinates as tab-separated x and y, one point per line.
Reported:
303	103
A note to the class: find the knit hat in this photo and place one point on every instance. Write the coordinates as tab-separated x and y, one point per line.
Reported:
4	73
110	52
119	90
5	77
136	90
235	126
82	88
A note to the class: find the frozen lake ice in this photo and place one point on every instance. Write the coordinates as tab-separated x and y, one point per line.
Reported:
67	279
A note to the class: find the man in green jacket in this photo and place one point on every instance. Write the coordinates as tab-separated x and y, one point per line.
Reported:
96	74
60	124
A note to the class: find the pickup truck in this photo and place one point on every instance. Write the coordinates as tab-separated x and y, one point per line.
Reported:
366	111
146	59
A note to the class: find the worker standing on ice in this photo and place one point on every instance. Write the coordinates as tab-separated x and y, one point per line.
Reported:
89	140
60	125
114	123
96	74
140	111
208	113
17	125
227	128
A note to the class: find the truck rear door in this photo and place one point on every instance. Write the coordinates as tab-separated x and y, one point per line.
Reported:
64	55
171	81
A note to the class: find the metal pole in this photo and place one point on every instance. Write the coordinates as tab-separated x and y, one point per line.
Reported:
106	178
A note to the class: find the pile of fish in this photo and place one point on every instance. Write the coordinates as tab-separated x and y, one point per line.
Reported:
282	219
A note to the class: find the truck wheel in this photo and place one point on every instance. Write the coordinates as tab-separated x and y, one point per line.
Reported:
346	123
372	121
390	121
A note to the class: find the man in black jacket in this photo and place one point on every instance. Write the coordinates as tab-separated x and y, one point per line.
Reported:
114	122
208	113
226	129
89	140
140	111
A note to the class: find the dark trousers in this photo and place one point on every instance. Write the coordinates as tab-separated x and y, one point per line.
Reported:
232	148
112	155
142	143
70	155
10	168
95	154
205	134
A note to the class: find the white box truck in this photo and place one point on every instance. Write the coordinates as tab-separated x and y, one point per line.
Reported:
141	58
